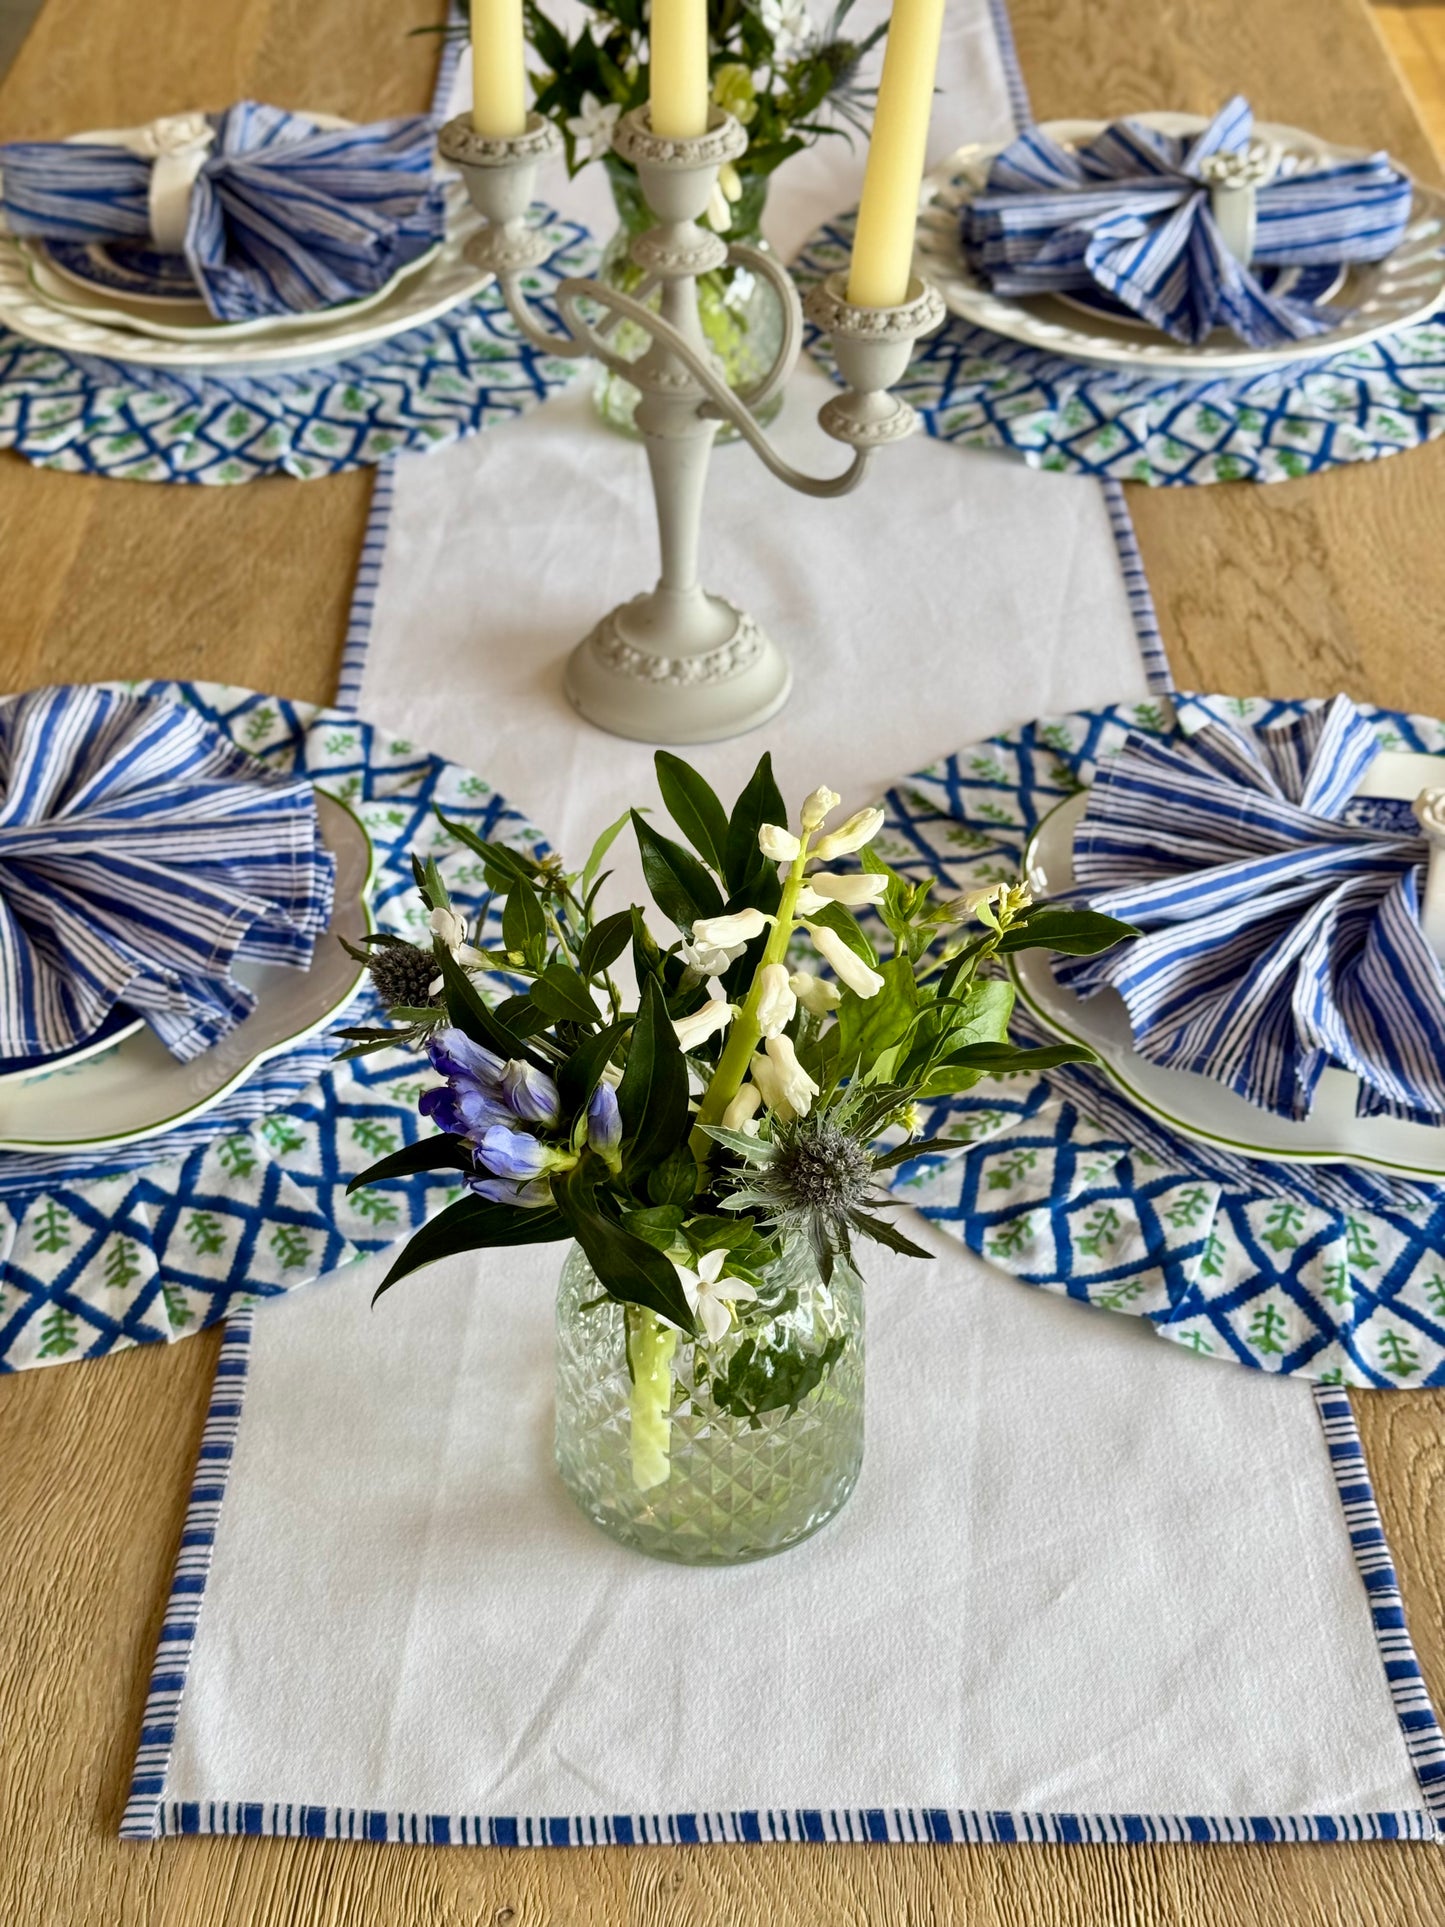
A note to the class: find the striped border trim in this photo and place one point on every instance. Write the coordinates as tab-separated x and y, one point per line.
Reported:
143	1819
929	1826
368	581
1424	1740
1157	672
383	491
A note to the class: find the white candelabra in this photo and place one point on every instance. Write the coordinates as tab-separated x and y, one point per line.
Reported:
676	664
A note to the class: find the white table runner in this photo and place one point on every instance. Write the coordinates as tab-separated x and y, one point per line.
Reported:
1088	1588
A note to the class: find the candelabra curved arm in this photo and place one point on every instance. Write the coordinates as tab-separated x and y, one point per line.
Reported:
741	254
722	403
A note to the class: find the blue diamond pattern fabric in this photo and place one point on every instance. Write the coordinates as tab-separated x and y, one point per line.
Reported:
432	385
1332	1274
977	389
163	1238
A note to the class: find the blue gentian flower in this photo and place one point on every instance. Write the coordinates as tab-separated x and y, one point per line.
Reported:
514	1154
473	1099
499	1191
604	1122
531	1093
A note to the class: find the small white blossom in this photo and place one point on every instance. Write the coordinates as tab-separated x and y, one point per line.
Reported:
790	24
974	900
818	807
785	1085
864	886
778	844
738	928
592	126
847	964
446	923
701	1024
727	189
815	994
778	1002
712	959
808	903
711	1296
741	1114
860	828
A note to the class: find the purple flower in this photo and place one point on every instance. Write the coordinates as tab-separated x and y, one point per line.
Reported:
513	1154
454	1054
498	1191
464	1109
531	1093
604	1121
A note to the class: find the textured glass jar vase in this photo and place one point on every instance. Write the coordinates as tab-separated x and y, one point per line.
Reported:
742	317
717	1453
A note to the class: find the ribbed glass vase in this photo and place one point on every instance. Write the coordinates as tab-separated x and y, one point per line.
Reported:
711	1454
741	315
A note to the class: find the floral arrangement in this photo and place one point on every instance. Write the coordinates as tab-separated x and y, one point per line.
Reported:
748	1097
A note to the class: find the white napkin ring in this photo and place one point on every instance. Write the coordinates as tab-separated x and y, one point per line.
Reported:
1233	180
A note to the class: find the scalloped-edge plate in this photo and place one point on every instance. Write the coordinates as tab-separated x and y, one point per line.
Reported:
136	1089
1195	1105
1372	299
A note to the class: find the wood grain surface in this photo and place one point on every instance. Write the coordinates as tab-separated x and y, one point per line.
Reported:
1335	582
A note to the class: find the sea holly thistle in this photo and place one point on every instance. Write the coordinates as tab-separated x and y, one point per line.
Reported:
697	1135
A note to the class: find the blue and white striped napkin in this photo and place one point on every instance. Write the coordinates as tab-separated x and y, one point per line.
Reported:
1130	213
1281	933
283	215
142	853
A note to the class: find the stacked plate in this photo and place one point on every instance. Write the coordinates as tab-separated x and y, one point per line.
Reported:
125	302
122	1085
1196	1106
1365	300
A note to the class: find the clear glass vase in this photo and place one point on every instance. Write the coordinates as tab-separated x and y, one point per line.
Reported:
711	1454
741	315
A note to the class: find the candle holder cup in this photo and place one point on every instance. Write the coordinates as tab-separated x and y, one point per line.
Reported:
677	664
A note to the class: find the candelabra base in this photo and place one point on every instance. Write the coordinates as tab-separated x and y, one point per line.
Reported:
670	668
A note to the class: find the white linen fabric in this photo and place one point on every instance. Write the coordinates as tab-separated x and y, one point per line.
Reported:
1088	1587
1081	1575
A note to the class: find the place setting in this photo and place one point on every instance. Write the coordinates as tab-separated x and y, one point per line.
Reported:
659	1079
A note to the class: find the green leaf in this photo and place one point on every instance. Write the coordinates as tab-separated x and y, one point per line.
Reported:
681	888
436	1153
1074	933
521	1015
600	848
629	1268
761	802
605	943
524	928
471	1224
883	1233
468	1012
868	1027
694	807
661	1226
579	1076
652	1096
675	1179
560	994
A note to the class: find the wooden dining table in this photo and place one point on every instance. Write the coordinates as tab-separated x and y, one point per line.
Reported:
1329	583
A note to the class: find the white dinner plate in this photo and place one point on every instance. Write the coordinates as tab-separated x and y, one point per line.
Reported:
1192	1104
37	304
1371	299
136	1089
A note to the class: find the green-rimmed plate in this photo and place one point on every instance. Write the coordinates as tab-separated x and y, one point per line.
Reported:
137	1089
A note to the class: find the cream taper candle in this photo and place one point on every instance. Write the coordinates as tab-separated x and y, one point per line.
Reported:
678	58
499	75
883	245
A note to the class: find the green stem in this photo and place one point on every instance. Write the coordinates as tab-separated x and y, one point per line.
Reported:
745	1033
650	1347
